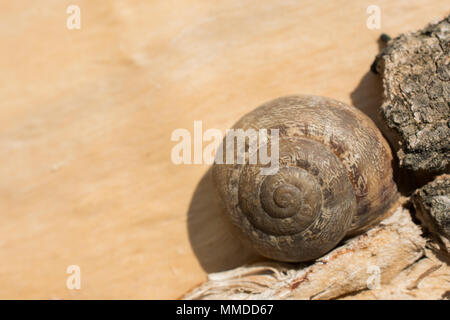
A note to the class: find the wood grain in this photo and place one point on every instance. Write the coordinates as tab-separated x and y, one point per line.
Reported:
86	118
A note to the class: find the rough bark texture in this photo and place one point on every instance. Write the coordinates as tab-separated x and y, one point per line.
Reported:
432	203
390	261
415	68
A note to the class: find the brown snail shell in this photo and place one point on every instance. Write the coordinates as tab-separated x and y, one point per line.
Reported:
334	179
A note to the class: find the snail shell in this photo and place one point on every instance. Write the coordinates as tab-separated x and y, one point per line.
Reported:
334	179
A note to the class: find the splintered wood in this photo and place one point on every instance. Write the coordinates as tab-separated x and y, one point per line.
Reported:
390	261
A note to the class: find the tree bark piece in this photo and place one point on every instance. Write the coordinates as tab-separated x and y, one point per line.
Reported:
391	259
432	204
415	68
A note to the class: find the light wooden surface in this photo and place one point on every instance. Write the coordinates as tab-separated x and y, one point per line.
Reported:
86	118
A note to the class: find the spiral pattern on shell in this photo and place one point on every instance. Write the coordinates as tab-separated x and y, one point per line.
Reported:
334	179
